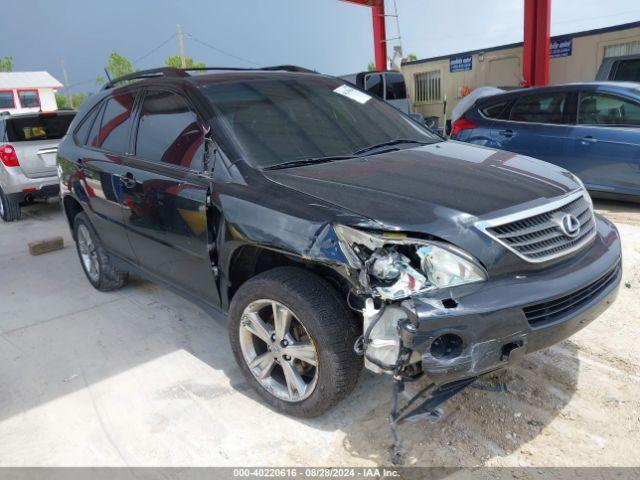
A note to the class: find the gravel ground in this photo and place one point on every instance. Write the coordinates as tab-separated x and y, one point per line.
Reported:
142	377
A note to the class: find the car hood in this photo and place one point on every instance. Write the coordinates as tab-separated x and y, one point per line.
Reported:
419	187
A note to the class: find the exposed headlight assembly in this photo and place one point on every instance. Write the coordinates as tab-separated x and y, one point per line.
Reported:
397	267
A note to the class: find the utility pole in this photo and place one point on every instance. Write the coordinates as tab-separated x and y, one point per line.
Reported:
66	82
183	62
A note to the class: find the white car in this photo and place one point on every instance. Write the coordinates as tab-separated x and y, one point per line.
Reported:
28	148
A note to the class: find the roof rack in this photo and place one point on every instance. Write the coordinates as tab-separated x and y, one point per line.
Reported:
183	72
142	74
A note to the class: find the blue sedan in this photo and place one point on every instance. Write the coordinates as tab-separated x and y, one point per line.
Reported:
591	129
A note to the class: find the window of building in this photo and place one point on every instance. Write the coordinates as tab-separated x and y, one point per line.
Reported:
115	126
427	86
622	49
29	98
6	99
600	109
169	132
542	108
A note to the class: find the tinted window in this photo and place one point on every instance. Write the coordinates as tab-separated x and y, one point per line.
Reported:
92	139
82	132
627	70
373	84
116	122
493	110
29	98
46	126
543	108
285	118
600	109
169	131
6	99
396	89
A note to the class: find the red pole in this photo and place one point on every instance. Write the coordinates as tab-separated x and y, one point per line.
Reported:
379	35
535	52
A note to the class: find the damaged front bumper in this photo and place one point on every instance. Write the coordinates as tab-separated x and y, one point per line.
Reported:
468	331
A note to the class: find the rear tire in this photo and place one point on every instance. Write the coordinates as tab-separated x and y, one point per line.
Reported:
326	324
9	208
94	258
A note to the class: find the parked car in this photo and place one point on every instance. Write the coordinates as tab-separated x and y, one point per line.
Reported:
621	69
28	146
329	225
591	129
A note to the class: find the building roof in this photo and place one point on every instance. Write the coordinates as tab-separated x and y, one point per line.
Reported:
11	80
566	36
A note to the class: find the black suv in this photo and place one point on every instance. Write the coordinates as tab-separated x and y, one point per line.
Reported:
334	229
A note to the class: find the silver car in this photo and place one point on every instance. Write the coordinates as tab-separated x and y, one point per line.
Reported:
28	148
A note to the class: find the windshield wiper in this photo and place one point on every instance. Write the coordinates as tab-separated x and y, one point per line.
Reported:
308	161
390	143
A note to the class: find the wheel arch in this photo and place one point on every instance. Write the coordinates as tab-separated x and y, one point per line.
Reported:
247	261
72	207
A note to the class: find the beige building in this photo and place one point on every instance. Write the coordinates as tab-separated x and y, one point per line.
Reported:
574	57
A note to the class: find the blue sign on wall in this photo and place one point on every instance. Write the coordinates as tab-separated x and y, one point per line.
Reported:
560	48
460	64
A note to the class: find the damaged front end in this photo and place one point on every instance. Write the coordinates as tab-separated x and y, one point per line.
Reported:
392	269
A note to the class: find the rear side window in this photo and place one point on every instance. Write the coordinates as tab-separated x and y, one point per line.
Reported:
542	108
6	99
82	132
46	126
493	110
29	98
601	109
168	131
116	123
627	70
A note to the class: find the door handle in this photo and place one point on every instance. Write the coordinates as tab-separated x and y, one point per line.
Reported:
506	133
588	139
128	180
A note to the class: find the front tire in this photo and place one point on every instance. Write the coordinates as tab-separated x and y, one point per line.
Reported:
293	338
9	208
94	258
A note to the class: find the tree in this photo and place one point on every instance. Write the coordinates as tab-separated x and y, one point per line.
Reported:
73	101
117	66
174	61
412	57
371	67
6	64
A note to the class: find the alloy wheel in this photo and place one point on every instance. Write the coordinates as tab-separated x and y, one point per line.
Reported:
278	350
88	253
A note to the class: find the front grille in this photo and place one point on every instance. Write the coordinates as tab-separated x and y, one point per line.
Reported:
542	313
539	237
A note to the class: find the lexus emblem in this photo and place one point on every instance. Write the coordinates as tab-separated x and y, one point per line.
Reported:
569	225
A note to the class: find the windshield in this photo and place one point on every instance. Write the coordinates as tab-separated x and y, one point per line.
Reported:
287	118
46	126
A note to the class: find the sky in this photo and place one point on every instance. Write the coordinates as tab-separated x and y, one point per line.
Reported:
330	36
